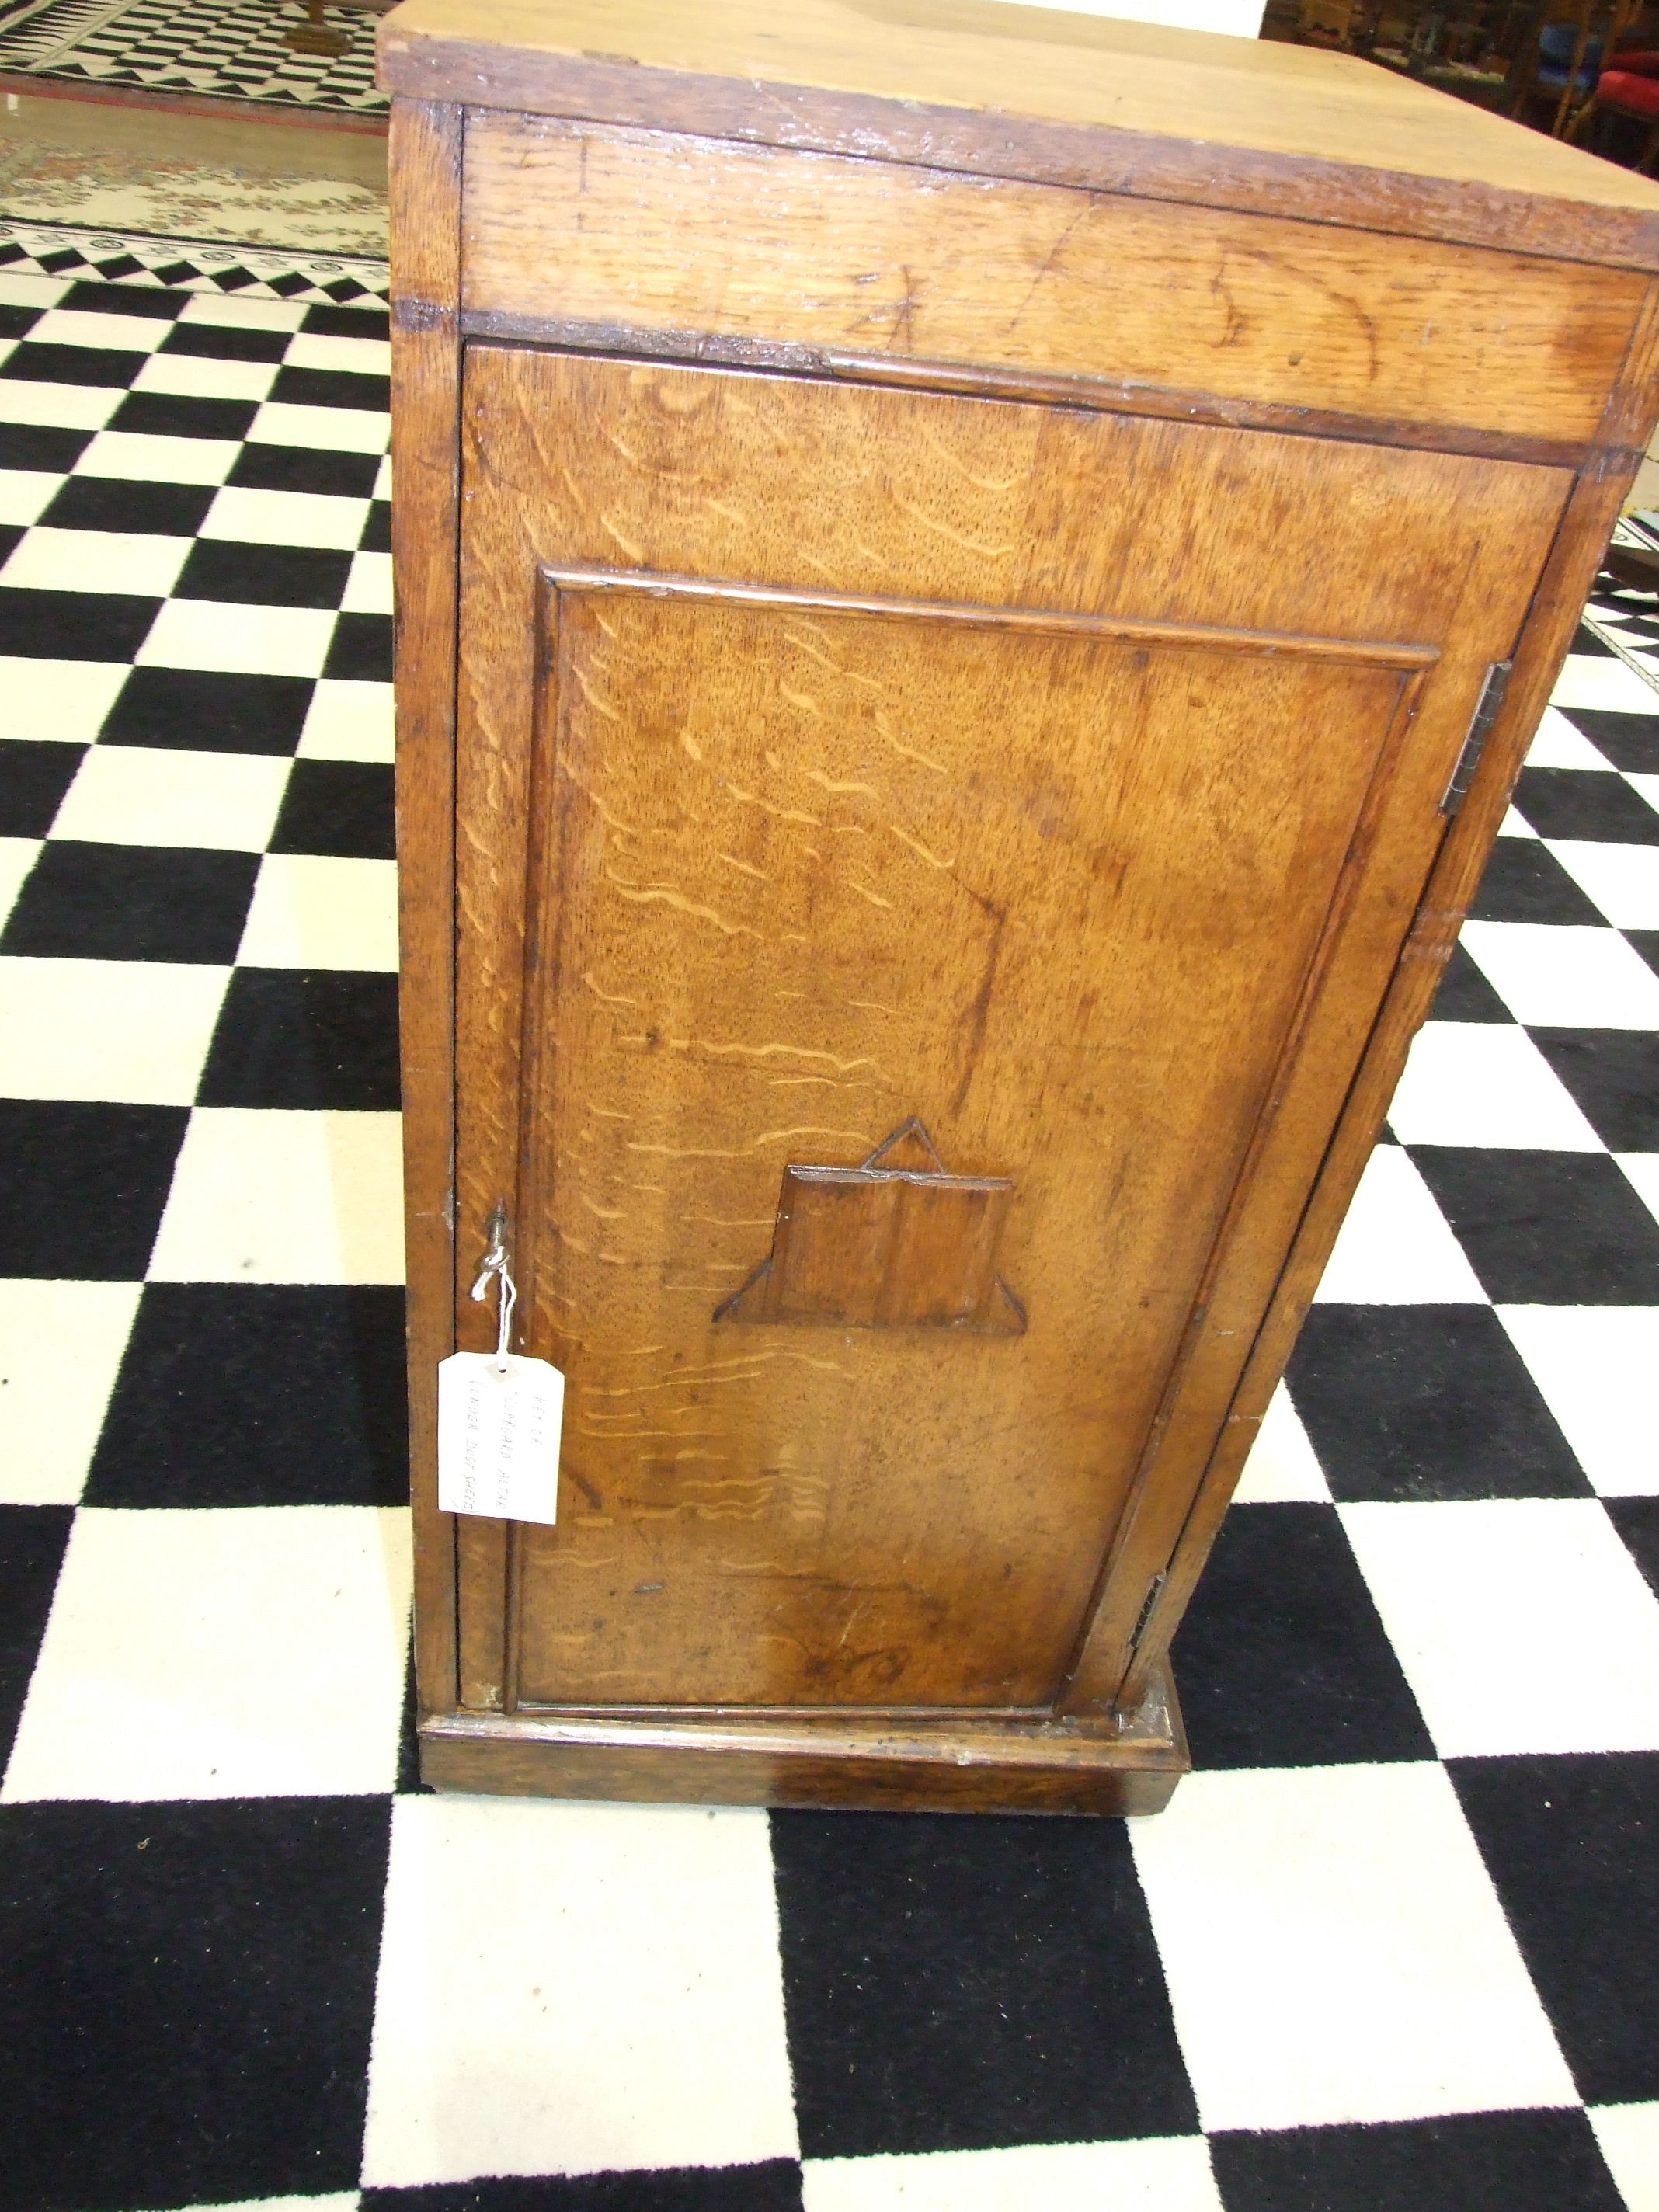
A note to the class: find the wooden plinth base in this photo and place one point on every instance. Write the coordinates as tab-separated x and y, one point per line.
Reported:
996	1764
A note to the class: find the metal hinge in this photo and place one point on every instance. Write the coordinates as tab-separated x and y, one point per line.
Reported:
1146	1609
1480	722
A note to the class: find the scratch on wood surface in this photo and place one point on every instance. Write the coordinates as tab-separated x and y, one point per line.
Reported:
743	1152
599	705
814	644
636	553
830	784
778	813
609	998
956	536
743	867
885	732
665	895
864	892
916	846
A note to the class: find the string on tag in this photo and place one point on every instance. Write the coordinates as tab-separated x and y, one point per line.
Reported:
495	1263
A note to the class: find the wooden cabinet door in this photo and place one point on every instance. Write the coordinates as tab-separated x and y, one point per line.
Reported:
1047	793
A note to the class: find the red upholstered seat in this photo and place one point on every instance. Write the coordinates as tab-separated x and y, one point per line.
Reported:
1636	91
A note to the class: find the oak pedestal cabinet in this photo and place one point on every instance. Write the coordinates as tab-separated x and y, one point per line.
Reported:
972	585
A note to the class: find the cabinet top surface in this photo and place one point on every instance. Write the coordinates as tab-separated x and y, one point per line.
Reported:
997	60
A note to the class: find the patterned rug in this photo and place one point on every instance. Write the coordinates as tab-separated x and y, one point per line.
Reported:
29	249
214	49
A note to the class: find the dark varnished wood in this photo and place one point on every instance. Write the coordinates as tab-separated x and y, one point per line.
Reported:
425	173
946	1764
945	831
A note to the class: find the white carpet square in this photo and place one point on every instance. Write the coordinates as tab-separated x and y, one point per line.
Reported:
568	1988
60	1348
1335	1951
128	1031
1395	1247
268	1194
1522	1624
202	1654
152	795
314	910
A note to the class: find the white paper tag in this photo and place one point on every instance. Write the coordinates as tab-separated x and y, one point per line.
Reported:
498	1437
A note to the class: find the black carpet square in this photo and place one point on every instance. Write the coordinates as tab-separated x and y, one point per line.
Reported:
348	322
1282	1659
342	807
1547	1228
209	710
16	320
1593	804
1525	882
37	360
170	415
1614	1076
1637	1520
133	903
185	1998
33	777
32	1540
266	575
1417	1402
11	536
377	531
1587	646
1526	2161
216	341
332	388
153	510
1646	942
772	2187
83	1186
1630	742
294	1038
360	649
150	305
38	446
1572	1844
258	1394
259	467
74	625
1465	995
955	1983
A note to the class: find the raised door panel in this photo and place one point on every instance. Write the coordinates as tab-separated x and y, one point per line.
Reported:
758	868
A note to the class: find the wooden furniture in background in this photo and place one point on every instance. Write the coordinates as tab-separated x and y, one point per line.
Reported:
949	561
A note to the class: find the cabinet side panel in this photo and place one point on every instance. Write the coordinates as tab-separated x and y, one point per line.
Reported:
425	172
1546	637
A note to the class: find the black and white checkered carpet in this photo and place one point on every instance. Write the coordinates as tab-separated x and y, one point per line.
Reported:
214	49
1391	1949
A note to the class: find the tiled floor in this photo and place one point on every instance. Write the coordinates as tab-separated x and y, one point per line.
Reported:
1391	1948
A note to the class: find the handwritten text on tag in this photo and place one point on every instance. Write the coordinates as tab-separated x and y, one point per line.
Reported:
498	1437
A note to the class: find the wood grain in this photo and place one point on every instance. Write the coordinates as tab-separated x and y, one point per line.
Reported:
699	239
426	160
1059	99
644	1167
